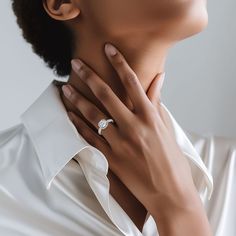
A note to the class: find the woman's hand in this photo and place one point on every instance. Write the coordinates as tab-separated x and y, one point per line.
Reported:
140	147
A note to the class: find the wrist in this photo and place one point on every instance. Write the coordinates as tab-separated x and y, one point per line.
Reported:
164	205
189	219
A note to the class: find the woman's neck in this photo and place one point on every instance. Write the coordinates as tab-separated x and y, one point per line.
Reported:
146	59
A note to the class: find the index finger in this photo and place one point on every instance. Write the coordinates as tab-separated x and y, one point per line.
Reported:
128	77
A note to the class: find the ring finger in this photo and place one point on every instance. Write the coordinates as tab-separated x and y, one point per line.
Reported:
89	111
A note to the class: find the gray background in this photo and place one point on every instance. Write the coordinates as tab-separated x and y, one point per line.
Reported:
199	90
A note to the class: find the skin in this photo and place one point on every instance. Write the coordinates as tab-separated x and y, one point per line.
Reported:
161	179
127	88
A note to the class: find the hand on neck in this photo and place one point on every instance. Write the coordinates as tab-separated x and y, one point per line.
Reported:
144	55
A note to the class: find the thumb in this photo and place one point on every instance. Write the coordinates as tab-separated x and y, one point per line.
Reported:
154	90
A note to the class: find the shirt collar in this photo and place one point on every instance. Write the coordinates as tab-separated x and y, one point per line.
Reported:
53	135
57	141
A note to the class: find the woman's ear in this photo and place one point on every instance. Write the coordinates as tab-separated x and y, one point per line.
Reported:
61	9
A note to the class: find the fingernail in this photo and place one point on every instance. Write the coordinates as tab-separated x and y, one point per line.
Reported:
163	75
162	79
70	115
66	90
110	50
76	64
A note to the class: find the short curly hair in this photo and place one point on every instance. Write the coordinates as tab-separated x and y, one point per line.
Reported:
50	39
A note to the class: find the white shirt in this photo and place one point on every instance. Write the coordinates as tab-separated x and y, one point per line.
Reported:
44	192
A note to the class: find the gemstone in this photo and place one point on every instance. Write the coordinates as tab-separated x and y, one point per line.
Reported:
102	124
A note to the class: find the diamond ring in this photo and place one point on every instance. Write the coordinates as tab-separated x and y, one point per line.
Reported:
102	124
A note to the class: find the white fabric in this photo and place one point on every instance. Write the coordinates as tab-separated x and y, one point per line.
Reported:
43	191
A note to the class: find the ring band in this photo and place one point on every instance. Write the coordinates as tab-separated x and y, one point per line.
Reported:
102	124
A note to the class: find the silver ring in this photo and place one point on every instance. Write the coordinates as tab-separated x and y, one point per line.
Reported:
102	124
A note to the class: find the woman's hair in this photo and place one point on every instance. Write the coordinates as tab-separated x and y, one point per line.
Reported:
50	39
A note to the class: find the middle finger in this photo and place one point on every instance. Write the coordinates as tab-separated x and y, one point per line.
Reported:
129	79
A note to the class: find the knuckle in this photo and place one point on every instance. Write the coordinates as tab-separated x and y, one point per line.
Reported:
82	68
88	74
85	72
131	78
91	114
118	59
75	100
90	81
103	92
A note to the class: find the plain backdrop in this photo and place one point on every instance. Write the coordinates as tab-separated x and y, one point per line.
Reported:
199	89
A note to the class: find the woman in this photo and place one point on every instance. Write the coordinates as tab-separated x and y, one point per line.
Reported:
148	173
144	31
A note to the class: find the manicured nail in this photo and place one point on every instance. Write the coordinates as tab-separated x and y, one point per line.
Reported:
66	90
70	115
162	78
110	50
76	64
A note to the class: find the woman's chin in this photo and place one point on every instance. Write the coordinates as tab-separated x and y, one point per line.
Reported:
194	23
200	22
186	21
